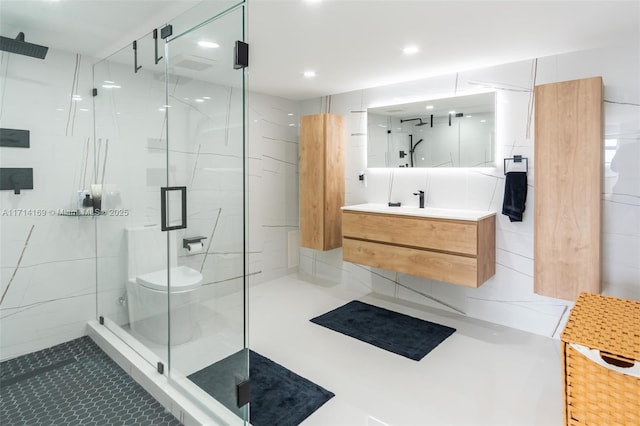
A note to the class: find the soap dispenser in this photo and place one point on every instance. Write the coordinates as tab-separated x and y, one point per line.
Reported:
87	204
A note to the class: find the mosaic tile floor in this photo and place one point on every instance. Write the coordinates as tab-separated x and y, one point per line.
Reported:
74	383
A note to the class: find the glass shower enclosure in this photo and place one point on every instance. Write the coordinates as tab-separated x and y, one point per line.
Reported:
169	200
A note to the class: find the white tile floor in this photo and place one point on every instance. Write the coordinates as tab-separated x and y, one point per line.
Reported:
484	374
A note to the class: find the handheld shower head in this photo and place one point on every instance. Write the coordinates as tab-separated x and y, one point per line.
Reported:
21	47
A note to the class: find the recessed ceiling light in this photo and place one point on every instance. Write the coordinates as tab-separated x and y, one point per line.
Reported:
410	50
452	112
309	74
206	97
208	44
429	107
199	100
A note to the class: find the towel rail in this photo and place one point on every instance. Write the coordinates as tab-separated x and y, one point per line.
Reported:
517	159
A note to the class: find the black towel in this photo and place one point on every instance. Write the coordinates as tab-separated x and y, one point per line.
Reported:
515	195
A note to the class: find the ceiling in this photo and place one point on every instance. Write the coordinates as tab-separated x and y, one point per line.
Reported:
351	44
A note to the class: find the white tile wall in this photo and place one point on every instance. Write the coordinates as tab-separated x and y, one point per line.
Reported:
52	291
507	298
47	261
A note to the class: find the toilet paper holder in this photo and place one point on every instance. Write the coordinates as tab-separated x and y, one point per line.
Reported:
191	240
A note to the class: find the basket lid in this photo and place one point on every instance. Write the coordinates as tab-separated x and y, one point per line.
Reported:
605	323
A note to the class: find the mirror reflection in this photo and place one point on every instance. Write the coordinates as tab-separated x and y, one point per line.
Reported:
448	132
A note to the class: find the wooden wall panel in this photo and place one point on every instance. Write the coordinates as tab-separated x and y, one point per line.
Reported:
568	187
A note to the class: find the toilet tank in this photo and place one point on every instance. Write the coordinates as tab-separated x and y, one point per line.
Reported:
147	250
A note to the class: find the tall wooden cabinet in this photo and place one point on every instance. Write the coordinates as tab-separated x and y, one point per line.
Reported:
321	166
568	187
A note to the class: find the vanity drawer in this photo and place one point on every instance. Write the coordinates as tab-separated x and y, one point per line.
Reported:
423	263
433	234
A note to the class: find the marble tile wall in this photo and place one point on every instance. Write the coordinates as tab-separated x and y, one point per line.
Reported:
507	298
58	272
47	261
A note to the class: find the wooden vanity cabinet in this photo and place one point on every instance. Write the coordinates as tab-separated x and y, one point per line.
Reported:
450	250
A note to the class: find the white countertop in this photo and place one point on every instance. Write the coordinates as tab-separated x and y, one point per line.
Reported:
433	212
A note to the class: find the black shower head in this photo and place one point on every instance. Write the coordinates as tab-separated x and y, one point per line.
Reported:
21	47
421	123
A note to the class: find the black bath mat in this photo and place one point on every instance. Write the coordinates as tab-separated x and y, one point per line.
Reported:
398	333
278	395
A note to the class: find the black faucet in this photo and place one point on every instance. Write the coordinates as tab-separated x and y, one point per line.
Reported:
421	194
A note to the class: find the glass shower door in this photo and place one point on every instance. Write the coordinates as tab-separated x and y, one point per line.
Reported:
130	165
169	169
206	157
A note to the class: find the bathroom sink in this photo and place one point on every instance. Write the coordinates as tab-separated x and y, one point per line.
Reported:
432	212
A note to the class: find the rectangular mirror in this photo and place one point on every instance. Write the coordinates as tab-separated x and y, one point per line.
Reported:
448	132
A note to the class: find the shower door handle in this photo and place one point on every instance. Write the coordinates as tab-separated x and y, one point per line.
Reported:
172	217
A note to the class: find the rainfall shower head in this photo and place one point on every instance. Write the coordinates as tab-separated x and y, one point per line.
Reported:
21	47
421	123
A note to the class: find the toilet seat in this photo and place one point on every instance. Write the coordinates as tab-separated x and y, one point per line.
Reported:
183	278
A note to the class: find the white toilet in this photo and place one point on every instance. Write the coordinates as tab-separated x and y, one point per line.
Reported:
147	288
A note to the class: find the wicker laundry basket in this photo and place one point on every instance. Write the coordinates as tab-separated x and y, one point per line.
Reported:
601	362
